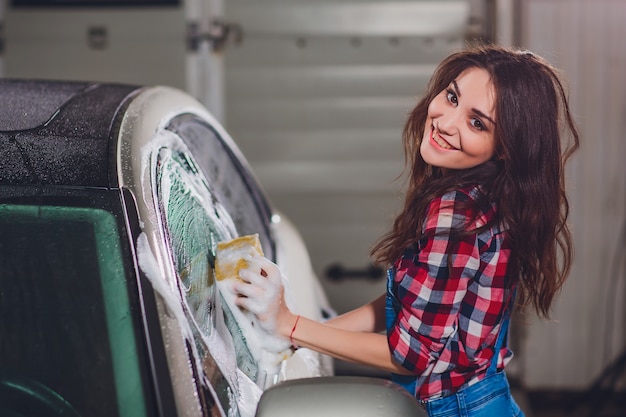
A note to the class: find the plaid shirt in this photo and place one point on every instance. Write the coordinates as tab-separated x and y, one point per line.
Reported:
449	315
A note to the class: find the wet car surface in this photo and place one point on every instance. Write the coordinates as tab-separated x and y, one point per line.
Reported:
112	201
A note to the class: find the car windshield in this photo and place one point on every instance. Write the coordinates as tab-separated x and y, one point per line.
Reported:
230	182
196	221
206	195
67	331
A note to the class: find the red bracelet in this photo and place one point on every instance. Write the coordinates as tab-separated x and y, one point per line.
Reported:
293	330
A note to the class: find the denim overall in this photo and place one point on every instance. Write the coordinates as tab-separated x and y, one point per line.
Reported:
489	397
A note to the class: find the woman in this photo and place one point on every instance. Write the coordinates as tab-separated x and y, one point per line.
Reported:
483	231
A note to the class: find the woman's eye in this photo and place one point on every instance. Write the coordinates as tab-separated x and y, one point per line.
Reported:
452	98
477	124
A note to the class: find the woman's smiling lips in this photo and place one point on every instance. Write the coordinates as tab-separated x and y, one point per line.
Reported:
439	141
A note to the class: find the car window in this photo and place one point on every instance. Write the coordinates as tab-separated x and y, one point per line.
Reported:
66	330
195	224
195	221
229	179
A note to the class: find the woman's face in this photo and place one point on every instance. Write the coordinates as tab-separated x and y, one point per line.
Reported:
459	131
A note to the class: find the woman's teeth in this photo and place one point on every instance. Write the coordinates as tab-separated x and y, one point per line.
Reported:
441	142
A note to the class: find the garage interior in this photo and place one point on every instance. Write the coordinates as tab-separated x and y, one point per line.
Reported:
315	94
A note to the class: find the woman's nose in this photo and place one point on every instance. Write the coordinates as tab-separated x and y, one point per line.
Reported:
447	123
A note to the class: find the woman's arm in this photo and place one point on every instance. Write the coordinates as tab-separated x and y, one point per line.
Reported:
367	318
344	338
361	347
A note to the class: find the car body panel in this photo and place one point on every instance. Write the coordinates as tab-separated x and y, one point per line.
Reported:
338	397
112	140
112	199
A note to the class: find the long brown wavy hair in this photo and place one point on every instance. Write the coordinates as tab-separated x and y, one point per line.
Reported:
525	179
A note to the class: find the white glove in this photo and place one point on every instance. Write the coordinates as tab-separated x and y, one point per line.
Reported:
263	293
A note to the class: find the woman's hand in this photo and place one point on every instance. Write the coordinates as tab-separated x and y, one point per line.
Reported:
263	294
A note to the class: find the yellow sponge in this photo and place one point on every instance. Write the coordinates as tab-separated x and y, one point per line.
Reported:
229	255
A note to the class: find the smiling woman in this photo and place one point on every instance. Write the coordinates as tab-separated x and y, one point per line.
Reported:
483	232
459	131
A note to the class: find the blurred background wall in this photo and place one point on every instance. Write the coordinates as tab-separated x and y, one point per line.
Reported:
316	93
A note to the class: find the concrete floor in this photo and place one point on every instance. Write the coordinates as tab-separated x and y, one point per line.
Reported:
570	404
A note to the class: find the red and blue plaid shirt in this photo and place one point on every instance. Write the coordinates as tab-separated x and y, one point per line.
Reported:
453	295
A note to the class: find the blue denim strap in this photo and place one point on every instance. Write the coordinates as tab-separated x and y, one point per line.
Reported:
408	382
502	339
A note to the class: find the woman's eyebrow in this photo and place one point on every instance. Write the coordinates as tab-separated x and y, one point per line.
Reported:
456	88
457	91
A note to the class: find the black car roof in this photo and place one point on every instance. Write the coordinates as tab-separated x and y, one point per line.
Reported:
60	132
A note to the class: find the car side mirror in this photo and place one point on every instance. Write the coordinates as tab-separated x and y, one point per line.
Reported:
340	396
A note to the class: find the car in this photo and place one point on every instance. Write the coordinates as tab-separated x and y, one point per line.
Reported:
113	199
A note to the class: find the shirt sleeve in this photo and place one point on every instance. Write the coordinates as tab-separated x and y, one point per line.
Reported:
430	285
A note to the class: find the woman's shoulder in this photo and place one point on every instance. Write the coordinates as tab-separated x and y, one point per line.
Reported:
461	205
464	197
470	192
